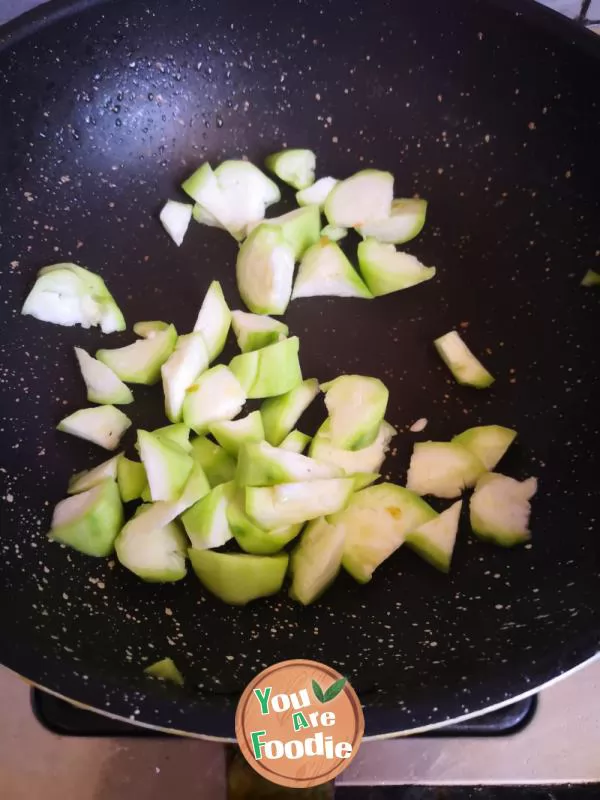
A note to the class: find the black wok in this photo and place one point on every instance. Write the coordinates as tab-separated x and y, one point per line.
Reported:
492	112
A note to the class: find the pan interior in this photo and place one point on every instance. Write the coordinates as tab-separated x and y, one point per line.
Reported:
483	113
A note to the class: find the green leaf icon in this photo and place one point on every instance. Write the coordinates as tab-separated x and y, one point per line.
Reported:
334	690
318	692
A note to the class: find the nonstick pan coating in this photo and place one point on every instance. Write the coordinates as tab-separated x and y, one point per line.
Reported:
494	117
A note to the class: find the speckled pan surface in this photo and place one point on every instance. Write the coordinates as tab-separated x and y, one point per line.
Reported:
491	115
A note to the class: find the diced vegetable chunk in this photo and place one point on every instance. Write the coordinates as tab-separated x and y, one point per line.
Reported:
206	521
488	442
443	469
591	278
333	233
261	464
175	218
294	167
325	271
356	406
271	371
461	362
141	361
180	370
83	481
316	194
500	509
295	442
265	270
404	223
214	320
102	425
216	395
292	503
280	414
67	294
165	670
367	459
155	554
364	197
238	578
376	522
434	540
167	466
131	478
301	228
250	537
218	465
196	487
178	433
103	386
316	560
89	521
204	217
149	329
254	331
236	193
231	435
387	270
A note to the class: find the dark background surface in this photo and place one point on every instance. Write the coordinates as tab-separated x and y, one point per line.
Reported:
490	115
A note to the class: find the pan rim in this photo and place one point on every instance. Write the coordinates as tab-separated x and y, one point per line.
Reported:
569	30
380	737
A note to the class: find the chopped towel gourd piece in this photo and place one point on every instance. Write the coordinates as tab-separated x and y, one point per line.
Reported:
316	194
316	560
141	361
254	331
488	442
231	435
367	459
180	370
356	406
165	670
294	167
261	464
206	521
82	481
265	270
89	521
216	395
154	553
376	522
500	509
102	425
293	503
167	466
269	372
103	386
461	362
175	218
325	271
214	320
238	578
236	194
387	270
404	223
443	469
67	294
364	197
280	414
434	540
